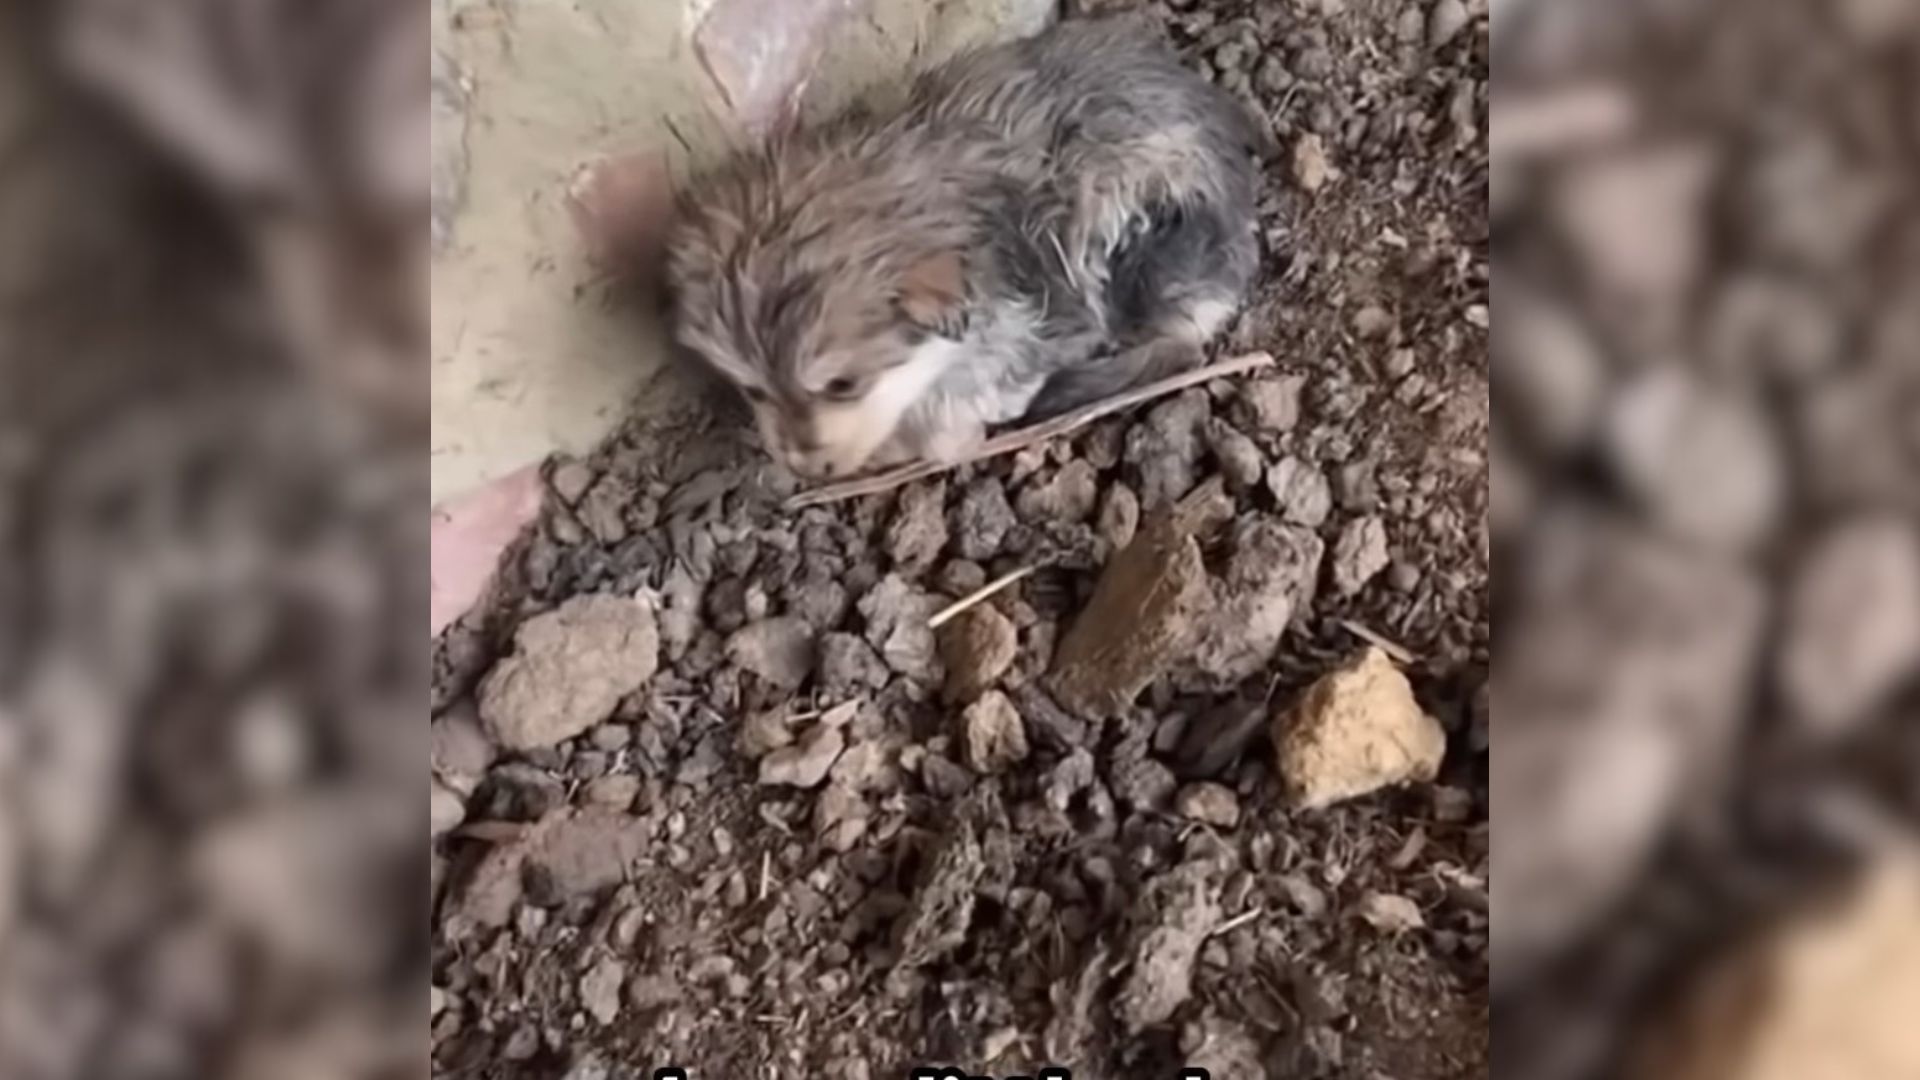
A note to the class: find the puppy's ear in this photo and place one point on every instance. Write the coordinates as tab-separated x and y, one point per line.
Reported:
933	294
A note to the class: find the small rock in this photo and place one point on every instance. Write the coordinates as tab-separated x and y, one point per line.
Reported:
896	615
1635	218
569	669
1273	405
1239	459
848	665
1310	167
942	907
1270	574
1551	370
1171	920
1209	804
1445	22
1359	554
1356	730
571	480
1067	495
993	734
1119	517
1273	78
981	520
1142	783
610	737
603	511
959	577
1165	448
918	533
822	601
763	733
1705	463
445	809
1853	626
837	807
1143	615
868	766
779	650
649	992
806	763
1301	491
1372	321
1306	897
616	792
1391	914
461	751
600	990
590	1067
977	648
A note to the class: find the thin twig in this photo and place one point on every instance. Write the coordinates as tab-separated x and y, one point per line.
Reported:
1398	652
1020	439
948	613
1237	922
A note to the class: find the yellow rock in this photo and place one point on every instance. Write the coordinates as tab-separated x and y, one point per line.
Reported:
1355	731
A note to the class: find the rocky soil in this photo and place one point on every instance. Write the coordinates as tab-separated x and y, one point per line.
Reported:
1207	785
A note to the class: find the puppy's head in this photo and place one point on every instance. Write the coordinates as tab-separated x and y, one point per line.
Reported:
831	329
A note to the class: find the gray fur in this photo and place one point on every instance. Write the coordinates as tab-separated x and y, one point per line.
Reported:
1100	198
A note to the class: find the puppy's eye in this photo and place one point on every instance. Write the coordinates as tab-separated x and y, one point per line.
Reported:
754	394
842	387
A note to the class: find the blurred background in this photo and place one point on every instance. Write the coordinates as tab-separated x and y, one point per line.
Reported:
213	232
1707	391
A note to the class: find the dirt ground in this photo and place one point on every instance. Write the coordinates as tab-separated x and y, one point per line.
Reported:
767	823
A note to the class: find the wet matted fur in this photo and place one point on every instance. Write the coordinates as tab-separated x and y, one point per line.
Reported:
1029	227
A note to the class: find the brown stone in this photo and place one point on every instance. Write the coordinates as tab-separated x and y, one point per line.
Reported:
1144	613
977	647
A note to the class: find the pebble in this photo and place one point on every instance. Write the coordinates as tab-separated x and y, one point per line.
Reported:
981	520
806	763
977	647
445	809
1853	625
1208	803
1391	914
616	792
1704	461
993	734
1068	495
1273	405
1445	22
1359	554
848	664
779	650
918	533
1310	167
1239	458
600	989
1119	517
1302	492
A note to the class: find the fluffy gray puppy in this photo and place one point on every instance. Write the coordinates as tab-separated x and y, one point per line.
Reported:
1026	228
